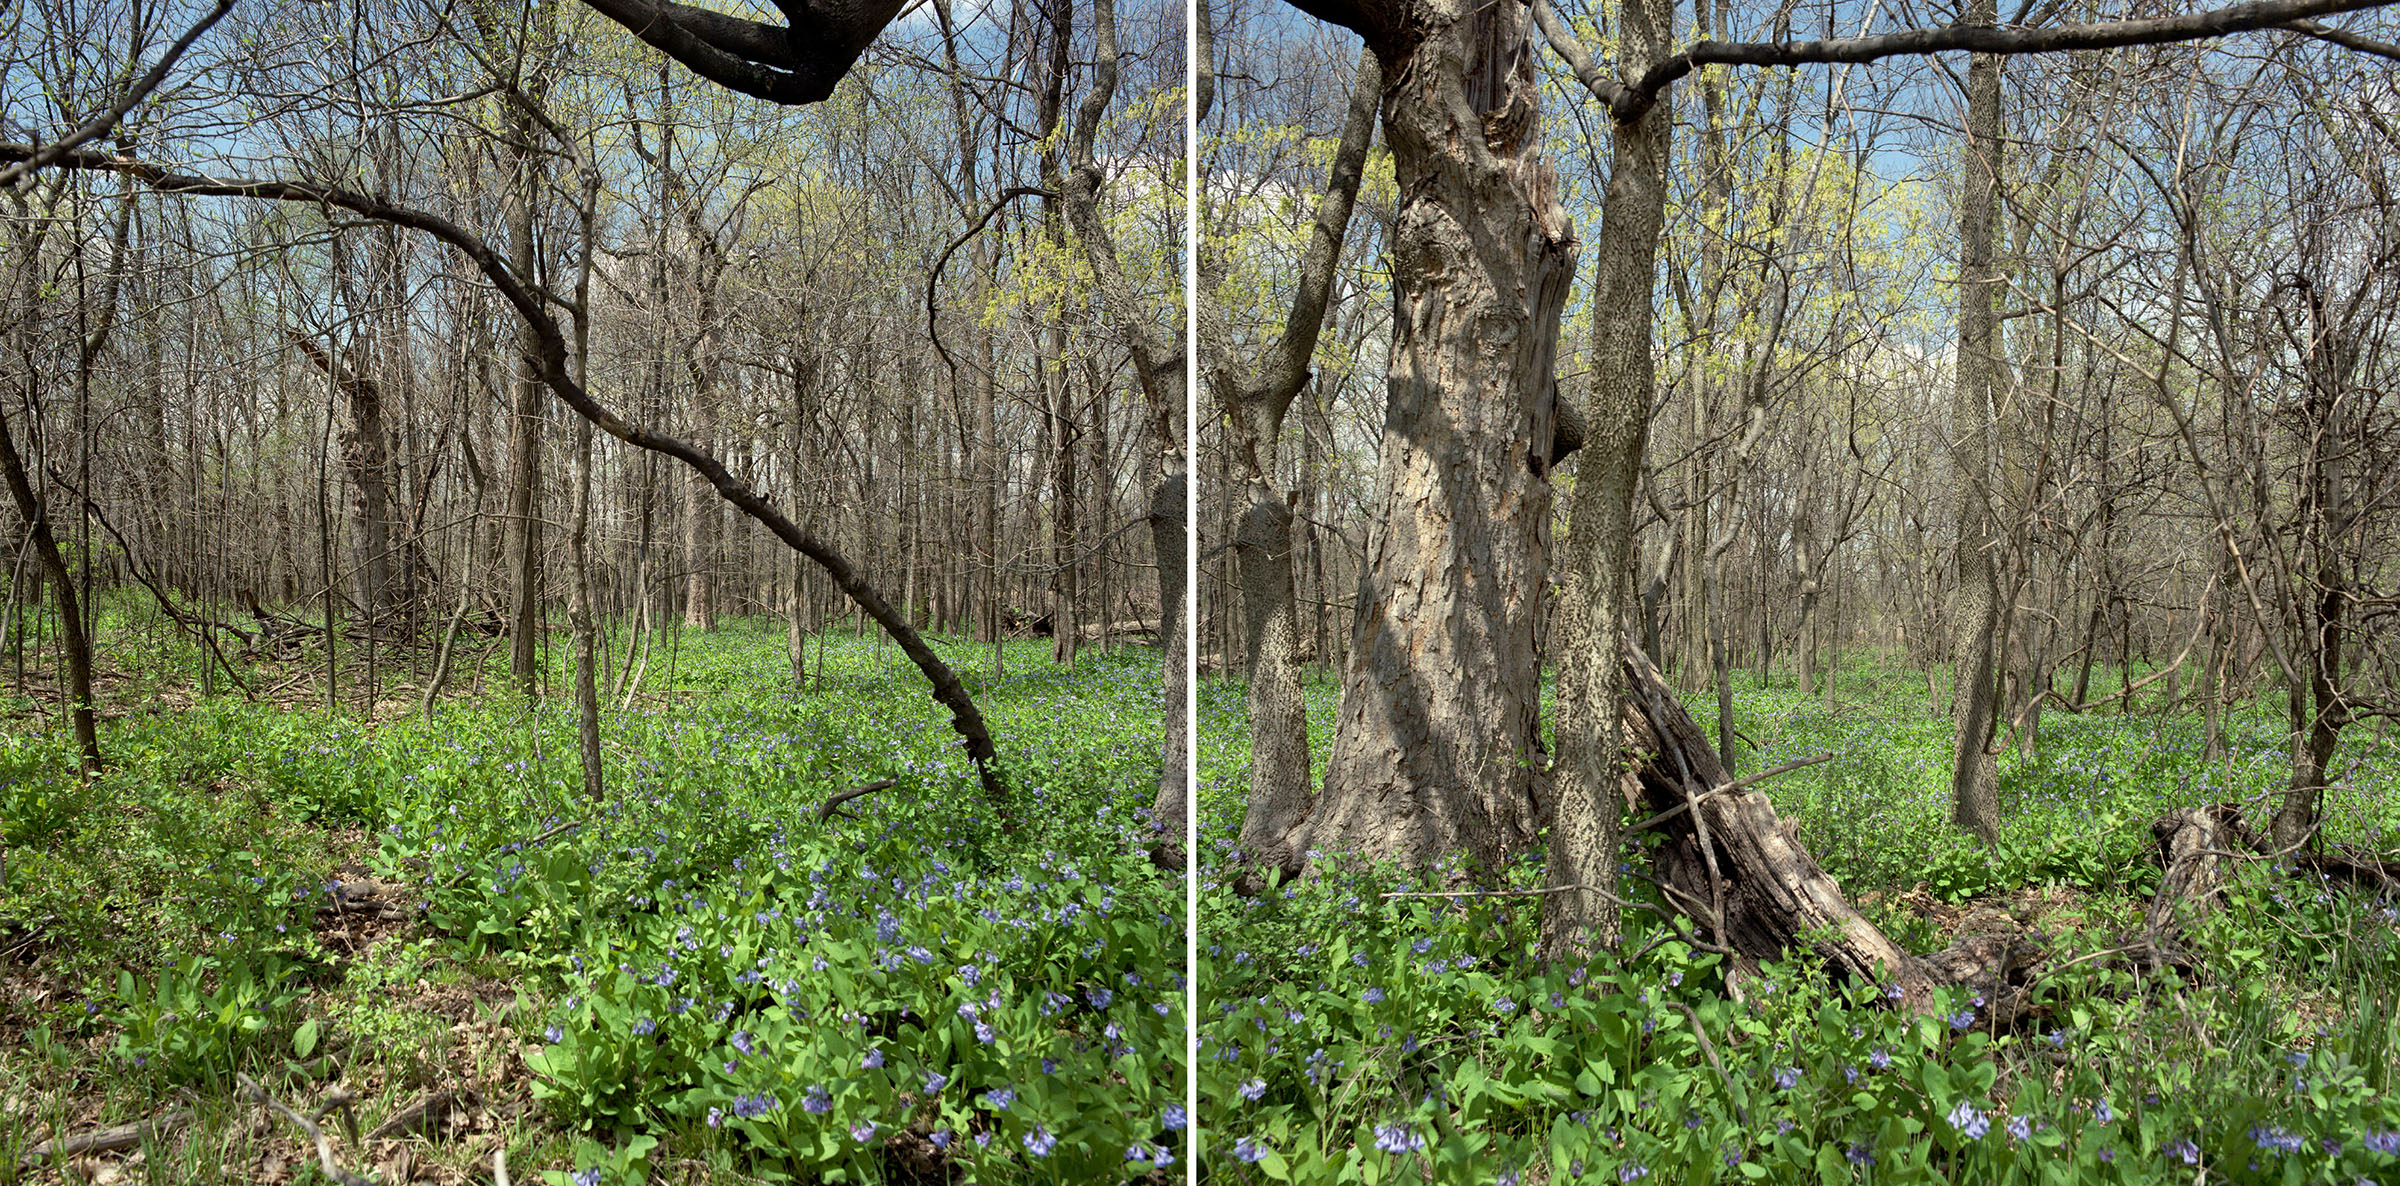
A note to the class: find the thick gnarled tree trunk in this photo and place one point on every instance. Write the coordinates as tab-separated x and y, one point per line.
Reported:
1438	749
1281	792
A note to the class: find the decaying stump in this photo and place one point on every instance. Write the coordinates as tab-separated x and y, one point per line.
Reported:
2197	847
1731	863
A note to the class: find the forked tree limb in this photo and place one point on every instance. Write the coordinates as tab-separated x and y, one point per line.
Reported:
2347	39
551	359
325	1161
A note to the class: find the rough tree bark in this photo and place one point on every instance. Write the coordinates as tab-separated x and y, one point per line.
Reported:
1584	836
388	560
1255	404
1975	613
522	528
1438	747
1158	363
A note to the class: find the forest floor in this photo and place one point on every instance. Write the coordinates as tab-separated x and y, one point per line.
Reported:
1357	1038
415	932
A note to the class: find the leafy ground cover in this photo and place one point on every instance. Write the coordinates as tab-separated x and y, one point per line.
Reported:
1350	1037
415	930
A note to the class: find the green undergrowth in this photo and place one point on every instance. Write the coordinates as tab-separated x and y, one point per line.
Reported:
696	972
1347	1036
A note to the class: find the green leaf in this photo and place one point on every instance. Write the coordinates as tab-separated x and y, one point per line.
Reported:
304	1040
1274	1166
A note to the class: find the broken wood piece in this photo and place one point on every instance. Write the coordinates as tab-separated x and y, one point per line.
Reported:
1727	848
109	1140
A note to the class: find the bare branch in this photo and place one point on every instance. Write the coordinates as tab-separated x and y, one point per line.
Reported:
2347	39
834	802
100	124
550	356
1989	39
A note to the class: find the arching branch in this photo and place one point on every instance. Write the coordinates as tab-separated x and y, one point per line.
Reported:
551	357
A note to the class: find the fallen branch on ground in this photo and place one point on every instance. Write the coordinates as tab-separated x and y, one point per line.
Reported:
108	1140
863	789
325	1159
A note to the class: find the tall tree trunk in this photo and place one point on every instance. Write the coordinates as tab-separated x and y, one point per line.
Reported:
1975	612
1255	408
522	530
2321	595
579	610
1170	520
700	525
1599	551
366	457
72	635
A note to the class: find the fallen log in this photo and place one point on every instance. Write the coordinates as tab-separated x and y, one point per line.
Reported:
1739	869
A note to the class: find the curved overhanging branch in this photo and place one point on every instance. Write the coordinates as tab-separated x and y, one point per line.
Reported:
792	66
2347	39
552	361
933	279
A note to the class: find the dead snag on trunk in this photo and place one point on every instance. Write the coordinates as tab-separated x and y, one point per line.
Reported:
1730	862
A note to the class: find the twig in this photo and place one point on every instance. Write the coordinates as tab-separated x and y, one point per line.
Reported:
500	1166
2150	939
1709	1048
1730	788
325	1159
865	788
106	1140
